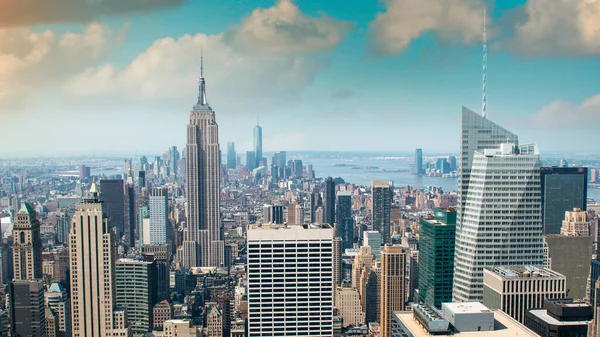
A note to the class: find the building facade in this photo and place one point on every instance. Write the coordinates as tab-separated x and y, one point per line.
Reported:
158	209
381	209
112	193
393	290
27	245
136	291
563	188
344	222
329	202
570	256
27	311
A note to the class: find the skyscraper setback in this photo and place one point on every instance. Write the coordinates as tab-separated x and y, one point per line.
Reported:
203	245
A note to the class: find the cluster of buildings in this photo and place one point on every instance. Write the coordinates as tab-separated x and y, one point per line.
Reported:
189	246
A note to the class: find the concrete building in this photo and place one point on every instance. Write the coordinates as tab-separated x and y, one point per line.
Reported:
363	260
136	291
162	311
273	214
27	245
373	240
202	246
214	320
560	317
158	209
347	301
303	254
337	261
392	292
562	188
51	323
516	289
27	311
178	328
501	220
381	209
344	222
57	300
575	223
570	256
436	257
93	253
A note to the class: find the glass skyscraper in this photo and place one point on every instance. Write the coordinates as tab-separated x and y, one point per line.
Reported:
258	153
563	188
343	219
381	209
418	161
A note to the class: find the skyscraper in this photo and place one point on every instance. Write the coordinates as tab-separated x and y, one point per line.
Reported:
203	245
563	188
158	211
418	161
27	245
231	156
113	196
258	153
393	291
27	313
92	254
136	291
173	160
250	160
130	219
501	220
290	305
381	209
329	201
344	223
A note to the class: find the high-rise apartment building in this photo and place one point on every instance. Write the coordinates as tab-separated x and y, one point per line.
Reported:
381	209
136	291
290	286
419	162
112	194
329	201
344	223
392	292
231	156
516	289
93	253
499	219
575	223
158	212
203	244
436	257
27	245
562	188
258	154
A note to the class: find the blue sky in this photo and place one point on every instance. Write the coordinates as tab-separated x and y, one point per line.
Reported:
322	75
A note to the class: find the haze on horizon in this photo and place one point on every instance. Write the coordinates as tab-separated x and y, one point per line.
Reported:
104	77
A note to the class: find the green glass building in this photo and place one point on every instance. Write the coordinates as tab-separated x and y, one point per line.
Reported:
436	257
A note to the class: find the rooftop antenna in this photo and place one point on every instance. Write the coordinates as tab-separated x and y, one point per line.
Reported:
484	81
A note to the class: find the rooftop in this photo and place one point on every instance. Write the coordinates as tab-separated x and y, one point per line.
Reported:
509	272
467	308
543	315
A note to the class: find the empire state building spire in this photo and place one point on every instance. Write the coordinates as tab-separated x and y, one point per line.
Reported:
202	84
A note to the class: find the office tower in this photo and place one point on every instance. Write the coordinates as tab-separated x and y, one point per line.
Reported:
250	160
27	313
51	322
203	245
392	292
315	202
231	156
57	300
502	222
112	195
141	181
516	289
258	154
162	311
560	317
593	175
273	214
363	260
381	208
337	261
136	291
62	226
268	307
329	202
130	219
173	160
436	257
373	240
452	162
214	320
93	253
161	254
27	245
570	256
563	188
411	275
372	298
158	213
575	223
297	168
442	165
143	214
84	173
419	162
347	301
344	223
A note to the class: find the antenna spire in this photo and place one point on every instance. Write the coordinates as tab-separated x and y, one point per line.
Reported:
202	84
201	62
484	81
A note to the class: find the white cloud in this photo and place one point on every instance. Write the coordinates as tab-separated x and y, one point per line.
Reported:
283	29
405	20
563	114
566	27
30	61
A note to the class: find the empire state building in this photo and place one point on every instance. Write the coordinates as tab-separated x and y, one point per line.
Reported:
203	244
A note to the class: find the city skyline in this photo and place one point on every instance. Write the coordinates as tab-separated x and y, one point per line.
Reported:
321	63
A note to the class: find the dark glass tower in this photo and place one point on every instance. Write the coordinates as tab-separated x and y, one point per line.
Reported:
344	227
329	202
231	156
112	194
381	209
563	188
